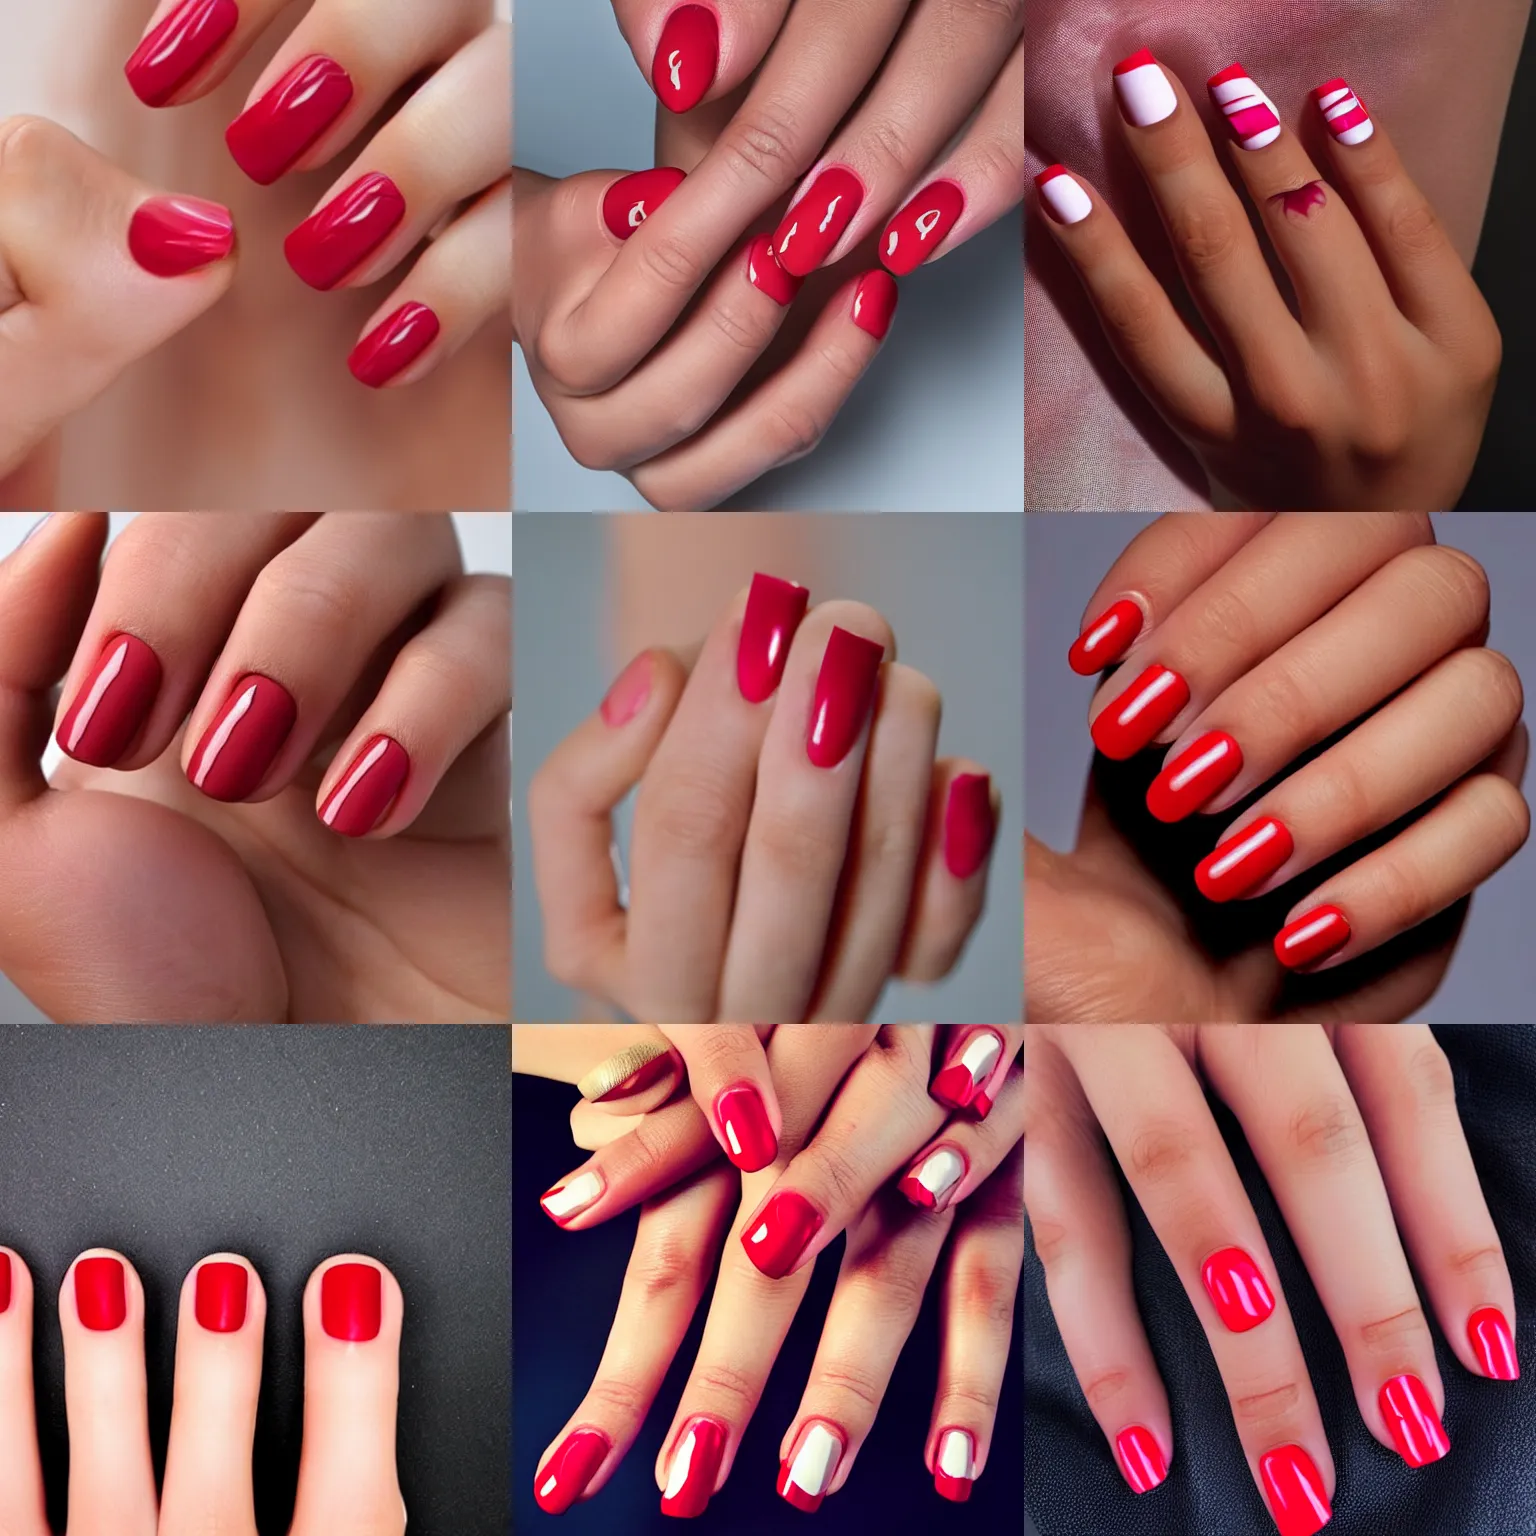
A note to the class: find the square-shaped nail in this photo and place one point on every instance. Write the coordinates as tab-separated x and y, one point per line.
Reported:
112	702
779	1233
956	1465
1143	90
334	242
1237	1289
1489	1334
243	742
1413	1421
175	50
919	228
219	1297
366	790
965	1074
694	1467
772	615
805	1477
1251	117
1343	112
277	130
101	1295
1141	1458
352	1302
845	691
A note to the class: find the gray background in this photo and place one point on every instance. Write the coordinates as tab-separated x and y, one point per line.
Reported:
951	588
936	425
1492	978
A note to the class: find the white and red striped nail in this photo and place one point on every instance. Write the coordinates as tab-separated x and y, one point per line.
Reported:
567	1200
695	1466
961	1082
1252	118
1065	200
956	1468
806	1476
1143	91
931	1182
1344	112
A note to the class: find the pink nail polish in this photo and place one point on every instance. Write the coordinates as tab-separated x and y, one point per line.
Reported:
1252	118
1141	1458
845	692
1413	1421
768	624
968	824
631	688
5	1282
1492	1342
332	244
276	131
956	1465
172	236
1344	112
178	48
1297	1496
393	345
365	792
1237	1289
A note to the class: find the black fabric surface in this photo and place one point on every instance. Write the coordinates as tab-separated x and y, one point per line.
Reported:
1486	1486
288	1145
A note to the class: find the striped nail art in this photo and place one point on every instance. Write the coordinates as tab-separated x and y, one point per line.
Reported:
1344	112
1252	118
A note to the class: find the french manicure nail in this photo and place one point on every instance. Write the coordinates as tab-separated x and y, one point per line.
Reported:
220	1296
1412	1421
393	345
686	57
874	302
1252	118
772	615
178	48
367	789
1143	91
631	200
1245	861
765	273
809	231
172	236
745	1127
968	824
1297	1496
5	1282
275	132
845	690
101	1296
1128	724
628	693
781	1232
1106	639
1312	937
695	1466
1195	777
1492	1342
804	1479
1239	1292
352	1302
1343	112
112	703
966	1074
243	742
561	1480
1063	196
568	1199
956	1468
931	1182
919	228
1141	1458
333	243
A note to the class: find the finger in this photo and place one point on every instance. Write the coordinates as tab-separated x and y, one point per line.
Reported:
639	1077
729	1079
965	1153
22	1505
691	53
974	1066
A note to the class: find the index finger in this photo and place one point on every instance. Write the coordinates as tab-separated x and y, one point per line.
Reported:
728	1077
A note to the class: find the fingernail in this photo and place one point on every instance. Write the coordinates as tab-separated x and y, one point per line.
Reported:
1141	1458
745	1127
631	200
1143	91
1312	937
562	1478
178	48
1295	1490
874	302
695	1465
5	1282
781	1233
351	1302
968	825
1245	861
686	57
625	1073
1343	112
246	735
331	244
112	704
918	229
171	236
1252	118
804	1480
393	345
277	130
219	1299
960	1081
628	693
816	223
845	690
1412	1421
1195	777
772	615
1240	1293
568	1199
931	1182
765	273
1492	1342
101	1296
1063	196
368	788
1128	724
956	1467
1106	639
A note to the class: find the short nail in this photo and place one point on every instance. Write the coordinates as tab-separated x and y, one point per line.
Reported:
626	1072
5	1282
956	1468
1343	112
918	229
628	693
275	132
1239	1292
112	703
1252	118
686	57
1143	91
331	244
1312	937
772	615
178	48
393	345
568	1199
958	1084
1298	1499
220	1296
243	742
1130	722
1063	195
561	1480
1245	861
368	788
805	1478
351	1302
631	200
101	1296
968	824
780	1233
1412	1421
1141	1458
1106	639
874	302
765	273
172	236
930	1183
1492	1342
845	690
1195	777
809	231
745	1128
694	1468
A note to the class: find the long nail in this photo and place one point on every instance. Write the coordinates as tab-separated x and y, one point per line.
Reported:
918	229
366	791
772	615
1238	1290
393	345
112	704
275	132
1106	639
765	273
101	1296
5	1282
243	742
331	244
874	302
178	48
631	200
172	236
931	1182
1245	861
561	1480
805	1478
781	1232
808	232
352	1302
686	57
1195	777
1412	1421
1343	112
1294	1487
1252	118
745	1127
968	826
845	690
1141	1458
627	695
1063	196
695	1466
220	1296
1128	724
1492	1342
956	1468
966	1074
568	1199
1312	937
1143	91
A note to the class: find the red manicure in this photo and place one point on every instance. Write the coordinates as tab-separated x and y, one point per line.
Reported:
639	1080
393	345
1127	725
562	1478
816	223
219	1300
629	691
874	302
968	825
1240	1292
845	689
773	613
274	133
1106	639
745	1127
1411	1418
959	1085
695	1466
764	272
686	57
246	735
352	1302
101	1296
178	48
338	239
956	1465
5	1282
1312	937
171	236
1245	861
918	229
1141	1458
780	1233
804	1479
631	200
1491	1341
368	788
1195	777
112	704
1294	1487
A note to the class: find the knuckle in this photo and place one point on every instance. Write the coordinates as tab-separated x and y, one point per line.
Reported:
1131	311
1164	1150
1342	798
1392	1331
665	1263
1006	14
1287	403
590	449
306	596
1428	1085
1229	619
838	1170
694	815
722	1382
1475	1261
642	1155
892	1287
792	848
1285	697
1327	1129
998	161
761	146
845	366
25	141
624	1399
793	431
1255	1409
986	1291
1106	1386
889	140
1402	893
963	1393
1205	233
1414	227
844	1374
738	331
673	263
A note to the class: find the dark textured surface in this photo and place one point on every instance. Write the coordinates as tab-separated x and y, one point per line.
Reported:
287	1145
1485	1487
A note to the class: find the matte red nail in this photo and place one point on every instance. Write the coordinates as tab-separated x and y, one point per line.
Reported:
1106	639
275	132
1492	1342
568	1199
780	1233
745	1127
772	615
686	57
967	1071
845	690
956	1465
1240	1293
171	54
932	1181
810	229
5	1282
918	229
219	1299
246	735
368	788
1132	720
352	1302
631	200
1195	777
1245	861
1312	937
101	1296
1294	1487
764	272
1141	1458
874	302
393	345
331	244
968	825
1412	1421
113	702
171	236
629	691
562	1478
804	1479
695	1466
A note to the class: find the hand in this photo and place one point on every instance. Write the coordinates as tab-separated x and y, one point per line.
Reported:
1375	392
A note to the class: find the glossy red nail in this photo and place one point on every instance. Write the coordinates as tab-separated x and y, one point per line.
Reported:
352	1302
171	236
1245	861
765	273
629	691
1312	937
694	1468
845	690
1106	639
568	1199
178	48
1297	1496
1412	1421
640	1079
930	1182
1141	1458
772	615
1492	1342
686	57
101	1295
631	200
112	704
246	735
874	302
816	223
918	229
276	131
1240	1293
745	1129
956	1465
804	1479
5	1282
220	1295
968	824
331	244
367	789
393	345
966	1073
1128	724
561	1480
780	1233
1195	777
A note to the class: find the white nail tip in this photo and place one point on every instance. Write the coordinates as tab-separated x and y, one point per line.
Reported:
955	1458
580	1191
104	680
224	732
940	1171
682	1459
1066	199
816	1460
980	1055
1146	95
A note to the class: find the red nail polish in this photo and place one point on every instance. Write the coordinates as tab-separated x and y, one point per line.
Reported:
816	223
1141	1458
331	244
562	1478
112	704
772	615
1195	777
874	302
1240	1293
956	1465
568	1199
352	1302
393	345
967	1071
1294	1487
686	57
631	200
804	1479
628	693
745	1128
845	690
1491	1340
1245	861
172	236
780	1233
968	825
764	272
276	131
101	1296
5	1282
246	735
1312	937
1412	1421
220	1295
931	1182
639	1080
1106	639
368	788
918	229
695	1466
178	48
1146	707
